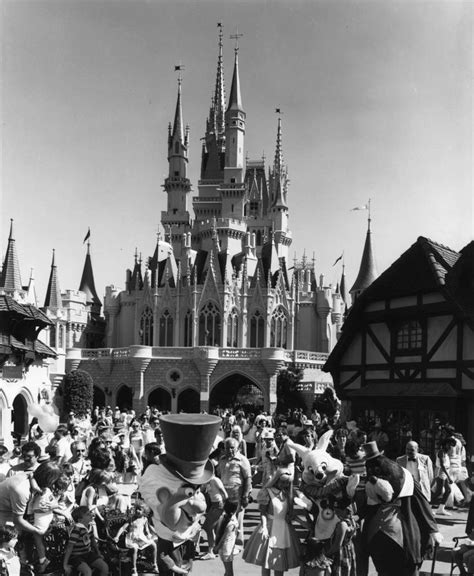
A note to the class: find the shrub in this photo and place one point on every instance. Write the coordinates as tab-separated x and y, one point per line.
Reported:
78	393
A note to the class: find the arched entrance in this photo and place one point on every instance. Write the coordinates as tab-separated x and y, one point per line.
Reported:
98	397
236	391
125	398
188	401
160	398
20	415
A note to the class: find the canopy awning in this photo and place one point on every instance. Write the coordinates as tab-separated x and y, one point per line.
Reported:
404	389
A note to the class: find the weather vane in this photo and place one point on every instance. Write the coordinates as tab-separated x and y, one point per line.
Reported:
236	37
179	68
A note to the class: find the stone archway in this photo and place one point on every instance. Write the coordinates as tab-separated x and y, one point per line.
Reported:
20	415
124	398
98	397
237	391
159	398
188	401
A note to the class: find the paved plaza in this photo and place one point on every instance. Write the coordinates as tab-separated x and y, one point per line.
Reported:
449	527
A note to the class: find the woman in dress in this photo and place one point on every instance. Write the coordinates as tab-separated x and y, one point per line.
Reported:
274	544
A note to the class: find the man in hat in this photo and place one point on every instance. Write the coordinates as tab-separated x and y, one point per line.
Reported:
397	532
172	489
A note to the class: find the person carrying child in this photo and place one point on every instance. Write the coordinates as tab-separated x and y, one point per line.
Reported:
81	551
226	536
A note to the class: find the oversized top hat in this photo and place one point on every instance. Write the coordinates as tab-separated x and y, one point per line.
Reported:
188	439
371	450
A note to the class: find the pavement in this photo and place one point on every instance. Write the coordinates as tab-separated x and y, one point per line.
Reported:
449	526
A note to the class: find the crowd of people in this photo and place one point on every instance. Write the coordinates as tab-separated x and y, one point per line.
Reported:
71	501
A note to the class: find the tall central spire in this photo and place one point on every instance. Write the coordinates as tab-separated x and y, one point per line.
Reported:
278	163
178	131
219	93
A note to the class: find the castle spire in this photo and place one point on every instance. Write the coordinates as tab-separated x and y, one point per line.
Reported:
219	92
279	176
368	269
178	129
87	284
53	292
11	279
278	162
235	98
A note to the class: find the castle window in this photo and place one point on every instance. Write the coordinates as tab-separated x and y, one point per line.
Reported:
166	329
233	329
409	337
188	329
52	336
259	238
278	330
146	327
61	337
257	330
209	326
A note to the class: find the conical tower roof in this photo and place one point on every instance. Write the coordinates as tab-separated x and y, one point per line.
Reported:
11	279
178	129
87	284
368	269
235	98
53	293
219	92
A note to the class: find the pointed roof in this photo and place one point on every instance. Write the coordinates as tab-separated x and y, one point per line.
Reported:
235	99
278	162
368	269
342	286
11	279
178	129
425	267
279	173
53	292
219	92
87	284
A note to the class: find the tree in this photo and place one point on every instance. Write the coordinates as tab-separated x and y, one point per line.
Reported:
288	395
78	393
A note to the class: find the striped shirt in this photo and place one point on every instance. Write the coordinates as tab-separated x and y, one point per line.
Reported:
80	539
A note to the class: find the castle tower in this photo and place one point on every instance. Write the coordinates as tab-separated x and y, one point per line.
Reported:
278	195
177	184
368	269
87	285
53	292
11	280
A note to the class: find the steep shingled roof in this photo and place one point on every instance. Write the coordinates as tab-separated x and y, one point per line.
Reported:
420	269
11	278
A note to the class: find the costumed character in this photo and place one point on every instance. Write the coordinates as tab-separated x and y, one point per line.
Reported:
172	489
398	527
323	474
326	491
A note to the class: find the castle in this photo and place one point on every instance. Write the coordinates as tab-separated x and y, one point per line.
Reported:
218	309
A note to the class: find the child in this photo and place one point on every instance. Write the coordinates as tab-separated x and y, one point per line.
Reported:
216	493
138	537
226	535
9	562
81	551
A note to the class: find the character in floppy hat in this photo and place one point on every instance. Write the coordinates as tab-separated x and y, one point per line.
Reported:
172	488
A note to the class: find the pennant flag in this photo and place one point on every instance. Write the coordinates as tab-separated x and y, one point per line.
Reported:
88	235
340	258
164	251
364	207
278	110
219	24
178	67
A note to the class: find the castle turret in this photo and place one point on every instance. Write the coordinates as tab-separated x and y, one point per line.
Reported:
11	280
177	184
235	130
278	194
53	299
87	285
368	270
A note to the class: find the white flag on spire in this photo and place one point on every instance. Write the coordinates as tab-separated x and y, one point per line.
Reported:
364	207
164	250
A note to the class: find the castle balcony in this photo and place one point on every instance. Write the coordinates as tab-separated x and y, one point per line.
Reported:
297	358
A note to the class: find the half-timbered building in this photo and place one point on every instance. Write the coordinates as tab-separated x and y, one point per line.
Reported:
406	351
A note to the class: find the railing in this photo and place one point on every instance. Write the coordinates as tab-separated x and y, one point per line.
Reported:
293	356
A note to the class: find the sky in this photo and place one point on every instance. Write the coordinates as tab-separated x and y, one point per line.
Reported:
376	100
